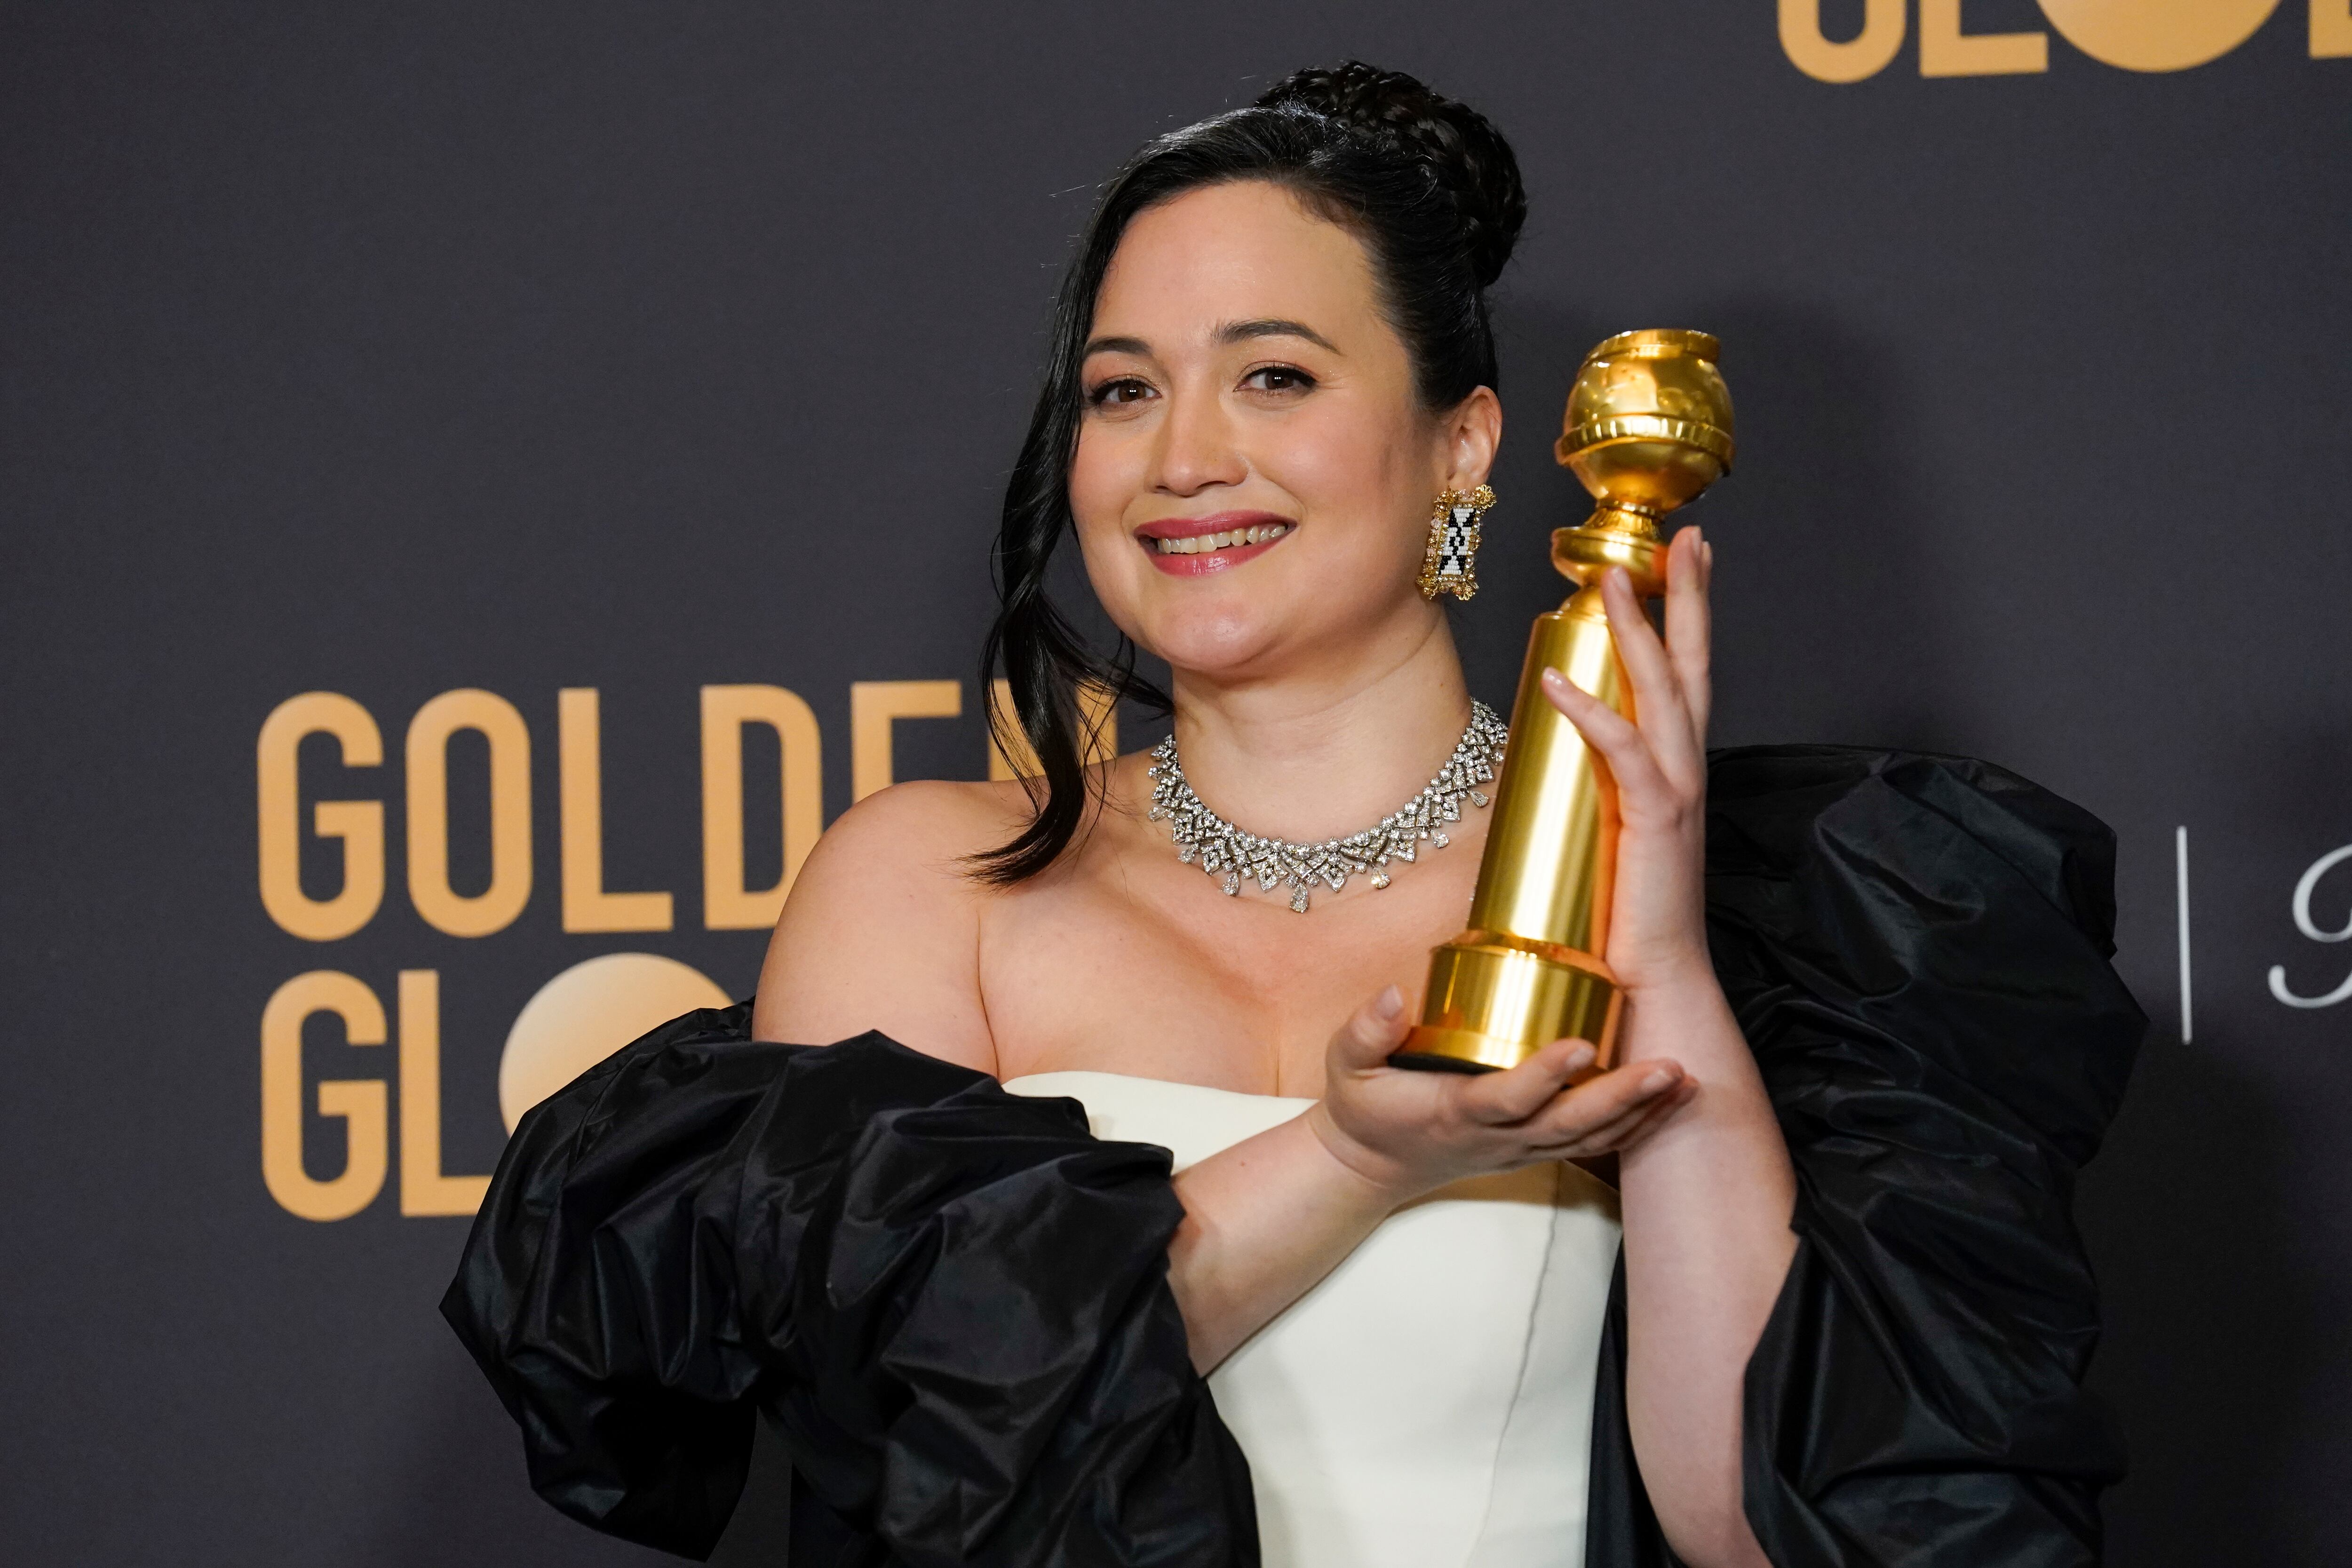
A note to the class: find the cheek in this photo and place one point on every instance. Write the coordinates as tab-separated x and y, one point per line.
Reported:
1118	574
1362	478
1105	478
1106	474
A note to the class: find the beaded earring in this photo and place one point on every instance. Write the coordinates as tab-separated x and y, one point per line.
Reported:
1450	564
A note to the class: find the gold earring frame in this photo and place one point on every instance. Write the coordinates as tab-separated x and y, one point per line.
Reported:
1449	564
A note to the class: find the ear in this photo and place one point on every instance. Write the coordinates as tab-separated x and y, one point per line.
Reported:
1468	435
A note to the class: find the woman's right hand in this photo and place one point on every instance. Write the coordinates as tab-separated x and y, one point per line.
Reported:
1409	1133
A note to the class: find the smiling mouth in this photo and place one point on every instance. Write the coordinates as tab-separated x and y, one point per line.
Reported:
1210	543
1217	543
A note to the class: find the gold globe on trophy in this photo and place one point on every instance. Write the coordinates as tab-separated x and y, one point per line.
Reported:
1648	427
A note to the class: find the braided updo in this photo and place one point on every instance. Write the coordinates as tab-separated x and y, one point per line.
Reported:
1431	189
1456	147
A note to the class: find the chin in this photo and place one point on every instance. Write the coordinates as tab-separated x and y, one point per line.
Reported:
1255	621
1229	637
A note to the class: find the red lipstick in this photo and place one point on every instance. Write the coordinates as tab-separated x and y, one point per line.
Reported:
1197	551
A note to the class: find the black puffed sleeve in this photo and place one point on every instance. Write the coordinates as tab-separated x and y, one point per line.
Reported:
1917	949
950	1302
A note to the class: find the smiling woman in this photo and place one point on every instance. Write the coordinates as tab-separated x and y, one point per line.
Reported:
1138	1249
1303	423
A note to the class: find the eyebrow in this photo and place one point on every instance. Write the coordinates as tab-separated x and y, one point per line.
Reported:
1230	333
1272	327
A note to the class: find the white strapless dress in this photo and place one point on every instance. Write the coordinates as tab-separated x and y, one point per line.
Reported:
1429	1403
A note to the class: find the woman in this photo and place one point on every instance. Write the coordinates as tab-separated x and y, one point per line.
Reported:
977	1317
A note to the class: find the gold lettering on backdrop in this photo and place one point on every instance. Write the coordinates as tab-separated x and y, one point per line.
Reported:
587	907
423	1190
360	1103
2331	29
2156	34
1946	50
357	823
1098	711
2131	35
874	706
1864	55
726	903
495	908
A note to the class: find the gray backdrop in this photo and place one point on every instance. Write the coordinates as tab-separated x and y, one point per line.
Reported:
390	349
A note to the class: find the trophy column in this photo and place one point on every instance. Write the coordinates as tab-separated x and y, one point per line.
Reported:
1649	426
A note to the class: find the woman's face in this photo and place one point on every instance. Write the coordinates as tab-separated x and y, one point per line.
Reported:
1255	472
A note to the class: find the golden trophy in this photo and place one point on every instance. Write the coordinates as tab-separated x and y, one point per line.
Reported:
1648	427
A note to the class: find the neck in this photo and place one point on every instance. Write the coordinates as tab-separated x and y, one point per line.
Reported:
1322	752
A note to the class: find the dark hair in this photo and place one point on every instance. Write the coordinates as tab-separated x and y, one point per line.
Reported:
1432	192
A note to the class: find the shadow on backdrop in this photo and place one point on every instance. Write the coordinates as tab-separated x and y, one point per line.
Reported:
2211	1317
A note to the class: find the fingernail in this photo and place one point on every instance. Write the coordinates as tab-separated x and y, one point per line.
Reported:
1657	1080
1580	1058
1390	1003
1552	677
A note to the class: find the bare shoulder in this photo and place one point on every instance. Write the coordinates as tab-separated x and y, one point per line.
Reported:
924	829
882	928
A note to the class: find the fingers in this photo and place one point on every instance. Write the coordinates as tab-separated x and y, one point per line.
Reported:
1638	647
1609	732
1690	563
1370	1034
1500	1099
1603	1105
1629	1130
1658	696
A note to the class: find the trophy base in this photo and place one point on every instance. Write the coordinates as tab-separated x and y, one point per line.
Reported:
1494	1000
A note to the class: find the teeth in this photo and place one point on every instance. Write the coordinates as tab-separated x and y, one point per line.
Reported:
1201	543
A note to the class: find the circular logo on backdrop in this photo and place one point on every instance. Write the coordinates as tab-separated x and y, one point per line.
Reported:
2156	34
587	1012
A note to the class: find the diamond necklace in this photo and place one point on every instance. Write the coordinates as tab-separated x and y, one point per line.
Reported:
1220	846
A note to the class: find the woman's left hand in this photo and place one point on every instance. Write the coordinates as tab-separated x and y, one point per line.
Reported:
1657	933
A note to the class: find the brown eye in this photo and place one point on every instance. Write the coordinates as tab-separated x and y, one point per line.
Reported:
1119	393
1280	378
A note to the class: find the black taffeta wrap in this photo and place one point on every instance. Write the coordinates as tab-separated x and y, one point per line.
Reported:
953	1303
1917	949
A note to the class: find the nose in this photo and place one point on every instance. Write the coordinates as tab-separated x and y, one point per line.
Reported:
1196	448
